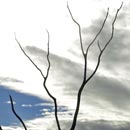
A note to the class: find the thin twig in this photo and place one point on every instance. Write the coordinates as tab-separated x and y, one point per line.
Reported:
44	77
19	118
99	46
107	43
81	41
79	27
94	39
44	83
48	53
104	21
28	57
113	23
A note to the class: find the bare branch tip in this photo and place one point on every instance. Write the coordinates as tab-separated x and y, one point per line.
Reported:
67	4
48	33
121	5
69	8
15	35
10	97
47	30
99	46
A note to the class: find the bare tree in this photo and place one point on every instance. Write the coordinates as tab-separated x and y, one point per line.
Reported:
85	56
86	77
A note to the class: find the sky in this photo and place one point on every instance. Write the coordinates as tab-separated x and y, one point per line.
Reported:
105	99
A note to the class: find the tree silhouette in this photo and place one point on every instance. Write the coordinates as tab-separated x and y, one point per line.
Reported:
85	56
86	77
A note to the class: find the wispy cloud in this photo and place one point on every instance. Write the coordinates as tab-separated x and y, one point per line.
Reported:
106	90
8	102
26	105
9	79
43	104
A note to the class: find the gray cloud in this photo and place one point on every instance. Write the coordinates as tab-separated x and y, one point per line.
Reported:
9	79
98	91
103	92
96	125
117	55
109	90
81	125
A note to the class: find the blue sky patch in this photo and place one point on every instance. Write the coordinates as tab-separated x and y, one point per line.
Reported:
27	106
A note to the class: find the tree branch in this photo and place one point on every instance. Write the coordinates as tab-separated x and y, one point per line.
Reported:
107	43
45	77
1	128
44	84
79	27
29	57
94	39
81	41
85	81
18	117
99	46
98	32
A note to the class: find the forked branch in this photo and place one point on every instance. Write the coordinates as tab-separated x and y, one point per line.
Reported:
107	43
18	117
45	77
85	55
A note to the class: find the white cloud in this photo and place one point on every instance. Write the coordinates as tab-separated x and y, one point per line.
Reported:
49	123
8	102
105	95
43	104
26	105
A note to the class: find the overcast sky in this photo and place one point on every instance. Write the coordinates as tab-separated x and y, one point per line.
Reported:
105	100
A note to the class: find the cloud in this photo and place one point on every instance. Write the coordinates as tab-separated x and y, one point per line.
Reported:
104	95
48	124
44	104
9	79
26	105
114	58
110	93
8	102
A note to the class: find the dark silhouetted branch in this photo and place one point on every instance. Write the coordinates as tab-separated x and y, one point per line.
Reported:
44	84
85	54
45	77
98	32
29	57
19	118
1	128
107	43
79	27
